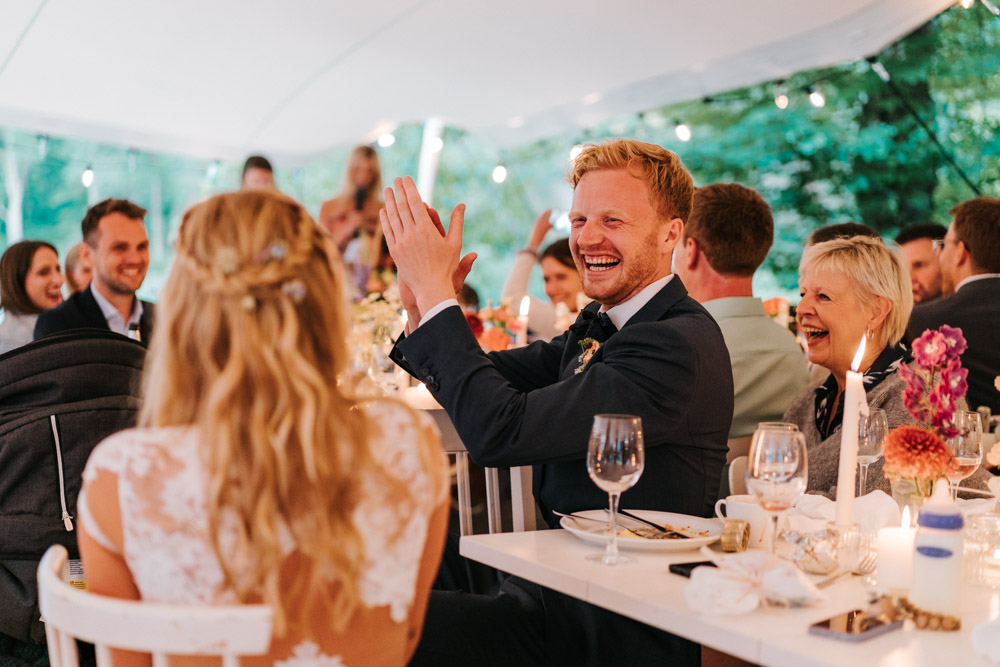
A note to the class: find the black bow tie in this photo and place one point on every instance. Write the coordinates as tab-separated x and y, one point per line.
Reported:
592	324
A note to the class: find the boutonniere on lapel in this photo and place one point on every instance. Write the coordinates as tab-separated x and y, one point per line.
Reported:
590	346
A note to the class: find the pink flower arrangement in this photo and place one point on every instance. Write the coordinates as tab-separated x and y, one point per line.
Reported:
497	327
936	380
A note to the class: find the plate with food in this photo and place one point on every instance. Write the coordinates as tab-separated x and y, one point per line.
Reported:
681	531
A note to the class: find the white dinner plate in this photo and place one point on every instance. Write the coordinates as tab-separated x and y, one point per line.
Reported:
594	532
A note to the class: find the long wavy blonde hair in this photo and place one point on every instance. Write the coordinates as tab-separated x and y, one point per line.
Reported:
248	348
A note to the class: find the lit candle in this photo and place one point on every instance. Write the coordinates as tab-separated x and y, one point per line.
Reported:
420	398
855	405
894	571
522	335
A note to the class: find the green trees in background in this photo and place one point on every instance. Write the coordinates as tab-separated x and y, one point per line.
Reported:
861	157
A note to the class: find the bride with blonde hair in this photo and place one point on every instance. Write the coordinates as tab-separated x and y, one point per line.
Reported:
254	477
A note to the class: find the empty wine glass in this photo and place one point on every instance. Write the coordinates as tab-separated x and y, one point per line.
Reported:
615	459
871	434
777	471
967	445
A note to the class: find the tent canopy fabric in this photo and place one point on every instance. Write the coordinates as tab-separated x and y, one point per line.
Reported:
225	78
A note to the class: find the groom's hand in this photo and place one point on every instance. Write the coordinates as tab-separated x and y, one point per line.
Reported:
429	260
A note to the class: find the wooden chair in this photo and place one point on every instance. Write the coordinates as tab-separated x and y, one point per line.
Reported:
160	629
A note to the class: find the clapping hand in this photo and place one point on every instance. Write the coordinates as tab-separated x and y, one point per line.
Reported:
429	259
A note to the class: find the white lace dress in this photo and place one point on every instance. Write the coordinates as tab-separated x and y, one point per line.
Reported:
143	517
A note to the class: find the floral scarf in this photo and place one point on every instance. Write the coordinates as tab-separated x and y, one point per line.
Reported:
885	365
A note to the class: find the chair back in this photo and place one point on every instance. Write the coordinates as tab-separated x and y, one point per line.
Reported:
160	629
737	476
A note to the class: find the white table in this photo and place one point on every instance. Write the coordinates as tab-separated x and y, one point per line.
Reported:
646	591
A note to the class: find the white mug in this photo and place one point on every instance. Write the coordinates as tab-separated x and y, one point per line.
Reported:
745	507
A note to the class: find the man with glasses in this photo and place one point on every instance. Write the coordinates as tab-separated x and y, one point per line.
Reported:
969	255
916	243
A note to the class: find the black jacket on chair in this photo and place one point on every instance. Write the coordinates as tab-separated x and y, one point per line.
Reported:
80	311
669	365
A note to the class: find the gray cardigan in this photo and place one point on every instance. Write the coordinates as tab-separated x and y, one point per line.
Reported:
824	455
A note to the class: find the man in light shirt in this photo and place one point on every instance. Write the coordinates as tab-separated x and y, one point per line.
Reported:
116	235
725	240
970	282
643	348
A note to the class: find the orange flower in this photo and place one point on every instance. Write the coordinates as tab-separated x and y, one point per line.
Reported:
495	340
911	451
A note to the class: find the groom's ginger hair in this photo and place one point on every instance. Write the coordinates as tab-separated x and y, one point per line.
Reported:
670	185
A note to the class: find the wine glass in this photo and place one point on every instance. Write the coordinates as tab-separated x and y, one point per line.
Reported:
777	471
967	445
615	459
871	434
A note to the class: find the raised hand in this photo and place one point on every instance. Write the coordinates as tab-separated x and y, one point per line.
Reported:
429	260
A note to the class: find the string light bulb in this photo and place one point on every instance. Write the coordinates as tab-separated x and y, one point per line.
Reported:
499	173
966	4
43	146
386	139
781	96
574	152
815	97
436	144
879	69
683	131
87	178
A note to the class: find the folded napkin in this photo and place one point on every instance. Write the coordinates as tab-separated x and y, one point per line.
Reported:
743	580
986	639
871	512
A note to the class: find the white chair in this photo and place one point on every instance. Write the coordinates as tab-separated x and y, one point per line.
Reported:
522	499
737	476
160	629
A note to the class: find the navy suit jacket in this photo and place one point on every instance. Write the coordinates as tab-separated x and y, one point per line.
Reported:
669	365
975	309
80	311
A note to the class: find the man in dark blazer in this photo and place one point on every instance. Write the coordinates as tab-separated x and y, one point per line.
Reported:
663	358
970	281
115	232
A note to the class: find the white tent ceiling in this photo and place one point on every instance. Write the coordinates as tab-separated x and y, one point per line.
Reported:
225	78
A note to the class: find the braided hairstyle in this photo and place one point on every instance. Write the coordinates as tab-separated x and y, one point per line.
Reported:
248	348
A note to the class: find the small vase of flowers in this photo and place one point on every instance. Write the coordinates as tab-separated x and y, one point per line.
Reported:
916	456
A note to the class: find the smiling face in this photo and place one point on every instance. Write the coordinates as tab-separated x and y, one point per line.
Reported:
832	318
121	256
562	283
44	280
925	270
619	242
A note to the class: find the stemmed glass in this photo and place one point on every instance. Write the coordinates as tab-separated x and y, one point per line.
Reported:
615	459
967	446
871	434
777	471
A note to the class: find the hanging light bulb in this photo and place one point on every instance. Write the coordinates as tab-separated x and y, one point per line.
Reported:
574	152
87	178
387	139
683	131
436	144
43	146
966	4
781	95
213	170
499	173
879	69
815	97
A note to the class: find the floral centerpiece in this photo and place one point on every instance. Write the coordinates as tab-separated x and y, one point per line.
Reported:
375	322
496	326
917	456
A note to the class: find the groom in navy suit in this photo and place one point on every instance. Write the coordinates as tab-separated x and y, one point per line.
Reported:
644	348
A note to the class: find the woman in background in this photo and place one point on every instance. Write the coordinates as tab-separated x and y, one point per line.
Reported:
254	477
79	267
852	289
563	285
30	282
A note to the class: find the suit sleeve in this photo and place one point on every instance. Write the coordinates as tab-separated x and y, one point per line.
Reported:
510	410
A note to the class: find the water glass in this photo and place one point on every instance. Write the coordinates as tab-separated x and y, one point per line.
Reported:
872	430
777	471
982	550
615	459
967	446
